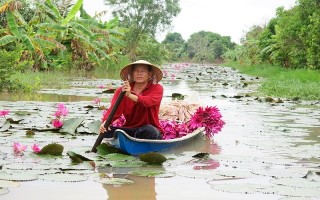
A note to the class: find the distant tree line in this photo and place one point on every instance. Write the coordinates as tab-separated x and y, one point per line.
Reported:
291	39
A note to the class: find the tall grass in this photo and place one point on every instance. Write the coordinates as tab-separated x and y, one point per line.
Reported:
286	83
32	81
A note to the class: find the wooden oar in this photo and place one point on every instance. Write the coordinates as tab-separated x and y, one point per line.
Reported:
108	121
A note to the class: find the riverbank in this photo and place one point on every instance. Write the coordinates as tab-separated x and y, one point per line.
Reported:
281	82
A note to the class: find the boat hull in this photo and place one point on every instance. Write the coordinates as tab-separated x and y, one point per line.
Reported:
136	146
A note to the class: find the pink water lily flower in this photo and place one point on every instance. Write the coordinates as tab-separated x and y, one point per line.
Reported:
35	148
57	123
119	122
4	113
62	110
97	101
208	117
18	148
102	86
169	128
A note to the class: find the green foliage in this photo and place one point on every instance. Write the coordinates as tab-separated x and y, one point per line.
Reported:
142	17
8	65
56	38
283	82
290	40
31	81
149	49
301	83
207	46
175	45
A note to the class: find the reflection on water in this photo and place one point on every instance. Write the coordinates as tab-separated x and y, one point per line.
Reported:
143	188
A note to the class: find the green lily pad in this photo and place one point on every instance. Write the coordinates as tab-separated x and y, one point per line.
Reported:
119	157
77	158
6	126
94	126
294	191
4	191
202	174
127	164
244	188
70	126
12	121
296	182
148	173
63	177
114	181
153	158
104	149
18	176
53	149
26	166
6	184
201	155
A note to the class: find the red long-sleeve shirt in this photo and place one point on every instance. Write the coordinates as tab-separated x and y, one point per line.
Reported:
144	111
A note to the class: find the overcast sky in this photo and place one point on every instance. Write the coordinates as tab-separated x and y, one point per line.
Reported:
225	17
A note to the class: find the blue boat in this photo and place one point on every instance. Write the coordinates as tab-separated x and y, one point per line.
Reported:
136	146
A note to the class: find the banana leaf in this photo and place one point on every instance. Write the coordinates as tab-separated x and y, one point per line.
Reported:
7	39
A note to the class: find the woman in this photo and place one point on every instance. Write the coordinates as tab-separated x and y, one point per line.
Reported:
141	103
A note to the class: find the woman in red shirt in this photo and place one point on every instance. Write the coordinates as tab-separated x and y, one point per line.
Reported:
141	103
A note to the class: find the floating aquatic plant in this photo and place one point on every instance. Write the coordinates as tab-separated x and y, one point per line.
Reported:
105	149
4	190
63	177
70	126
18	176
53	149
153	158
6	184
113	181
77	158
148	173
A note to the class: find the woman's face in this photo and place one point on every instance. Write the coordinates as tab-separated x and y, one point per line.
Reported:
141	74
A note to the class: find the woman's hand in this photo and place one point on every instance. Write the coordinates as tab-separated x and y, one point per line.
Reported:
102	129
127	88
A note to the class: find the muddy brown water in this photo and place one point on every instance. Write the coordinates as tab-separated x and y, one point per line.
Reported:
266	150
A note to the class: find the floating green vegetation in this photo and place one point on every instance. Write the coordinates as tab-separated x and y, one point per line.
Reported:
148	173
153	158
113	181
53	149
7	184
63	177
4	190
104	149
18	176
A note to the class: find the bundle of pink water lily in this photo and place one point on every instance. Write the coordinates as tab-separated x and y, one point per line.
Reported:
208	117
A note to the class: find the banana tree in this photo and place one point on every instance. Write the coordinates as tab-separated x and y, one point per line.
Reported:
18	31
49	34
89	41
